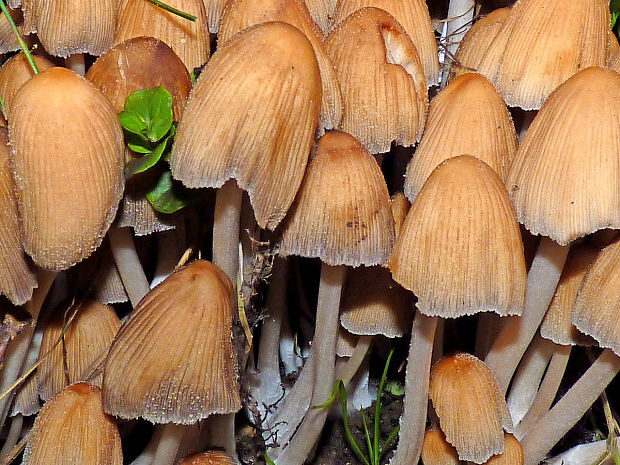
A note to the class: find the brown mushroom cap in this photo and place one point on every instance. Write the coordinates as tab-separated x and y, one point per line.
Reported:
8	39
400	207
436	450
512	455
260	96
173	361
209	458
67	161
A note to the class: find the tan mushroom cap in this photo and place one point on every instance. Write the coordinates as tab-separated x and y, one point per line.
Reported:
414	17
89	336
571	146
260	95
72	428
557	325
471	408
173	361
107	285
141	63
342	213
209	458
322	12
16	279
241	14
478	39
436	450
80	172
596	308
460	249
467	117
8	40
538	48
189	40
400	207
512	455
381	78
14	73
345	343
26	401
215	10
88	29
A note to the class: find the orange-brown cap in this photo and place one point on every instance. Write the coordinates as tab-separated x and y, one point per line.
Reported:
342	213
471	408
400	207
467	117
209	458
16	279
80	173
460	249
173	361
436	450
260	95
414	17
596	308
87	28
512	455
381	78
241	14
72	428
190	40
8	39
89	337
571	146
538	48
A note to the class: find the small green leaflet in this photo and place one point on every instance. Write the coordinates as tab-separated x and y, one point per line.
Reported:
140	165
169	196
148	114
614	6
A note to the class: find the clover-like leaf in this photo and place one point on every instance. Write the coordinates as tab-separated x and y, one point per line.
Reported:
140	165
169	196
148	113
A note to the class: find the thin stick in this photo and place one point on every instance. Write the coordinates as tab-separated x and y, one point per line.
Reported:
22	44
173	10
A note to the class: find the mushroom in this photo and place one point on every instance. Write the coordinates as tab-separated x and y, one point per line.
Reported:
436	450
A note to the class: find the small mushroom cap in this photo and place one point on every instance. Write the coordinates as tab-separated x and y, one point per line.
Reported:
89	336
512	455
381	78
173	361
67	156
557	325
89	28
342	213
460	249
107	285
260	95
597	306
538	48
471	408
26	401
73	429
8	39
209	458
468	116
345	343
16	279
436	450
400	207
571	146
190	40
414	17
241	14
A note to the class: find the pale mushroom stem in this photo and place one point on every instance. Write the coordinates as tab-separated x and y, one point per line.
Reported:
487	329
168	444
547	392
517	332
128	264
415	402
148	453
17	422
76	63
460	17
324	351
552	426
355	360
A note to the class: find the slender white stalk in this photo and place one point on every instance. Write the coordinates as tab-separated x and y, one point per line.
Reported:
148	453
347	372
517	332
551	427
128	264
168	444
226	221
413	419
17	422
76	63
583	454
460	17
292	361
488	326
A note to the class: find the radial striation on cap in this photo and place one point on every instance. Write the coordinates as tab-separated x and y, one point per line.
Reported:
209	458
436	450
512	455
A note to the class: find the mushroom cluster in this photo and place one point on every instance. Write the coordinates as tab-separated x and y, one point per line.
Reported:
218	217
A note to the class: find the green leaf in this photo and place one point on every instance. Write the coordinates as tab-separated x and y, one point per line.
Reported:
268	460
133	123
140	165
169	196
394	387
345	420
148	113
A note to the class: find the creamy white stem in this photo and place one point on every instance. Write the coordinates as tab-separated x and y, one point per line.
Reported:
128	264
76	63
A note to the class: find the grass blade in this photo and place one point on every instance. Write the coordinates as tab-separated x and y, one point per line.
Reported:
345	420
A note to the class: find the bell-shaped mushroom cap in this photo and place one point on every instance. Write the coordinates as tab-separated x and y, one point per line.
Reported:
613	53
400	207
460	249
14	73
471	408
26	401
345	343
68	27
436	450
8	39
372	303
381	78
322	12
512	455
72	428
557	325
190	40
90	334
596	308
342	213
476	42
538	48
260	96
67	156
173	361
141	63
16	279
413	16
241	14
572	145
209	458
468	116
107	285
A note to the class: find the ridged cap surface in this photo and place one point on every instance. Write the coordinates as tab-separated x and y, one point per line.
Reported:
436	450
512	455
209	458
